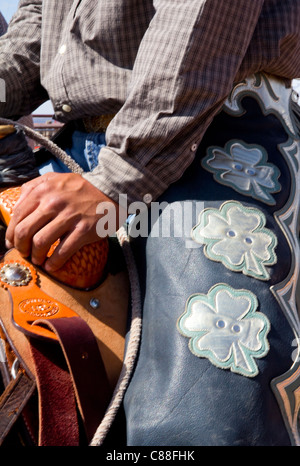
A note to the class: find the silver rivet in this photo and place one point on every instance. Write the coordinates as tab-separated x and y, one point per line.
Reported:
194	147
238	167
236	328
220	323
251	171
94	303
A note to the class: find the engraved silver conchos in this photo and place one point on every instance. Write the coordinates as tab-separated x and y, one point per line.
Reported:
15	274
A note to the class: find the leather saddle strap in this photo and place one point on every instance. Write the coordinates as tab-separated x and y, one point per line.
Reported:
58	422
86	367
13	400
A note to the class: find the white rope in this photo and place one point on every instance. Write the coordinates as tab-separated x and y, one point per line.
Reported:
47	143
133	343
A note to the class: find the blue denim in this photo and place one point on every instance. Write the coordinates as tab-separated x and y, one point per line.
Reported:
84	150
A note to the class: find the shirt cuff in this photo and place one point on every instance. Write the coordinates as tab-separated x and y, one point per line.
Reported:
115	176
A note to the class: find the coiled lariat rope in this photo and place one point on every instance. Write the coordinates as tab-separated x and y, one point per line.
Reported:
45	142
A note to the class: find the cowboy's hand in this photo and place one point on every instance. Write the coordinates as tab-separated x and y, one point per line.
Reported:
57	206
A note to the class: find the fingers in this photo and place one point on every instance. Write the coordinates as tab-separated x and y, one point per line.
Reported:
24	232
25	205
52	207
58	228
16	231
68	246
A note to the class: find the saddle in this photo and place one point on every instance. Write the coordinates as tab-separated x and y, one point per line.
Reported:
62	340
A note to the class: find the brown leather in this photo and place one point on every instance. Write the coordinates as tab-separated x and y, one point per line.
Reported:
58	421
5	130
97	124
29	302
86	368
8	199
85	269
13	400
108	321
49	309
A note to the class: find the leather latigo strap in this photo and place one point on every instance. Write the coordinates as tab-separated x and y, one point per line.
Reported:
104	309
85	373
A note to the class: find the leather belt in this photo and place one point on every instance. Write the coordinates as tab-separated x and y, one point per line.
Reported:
5	130
97	124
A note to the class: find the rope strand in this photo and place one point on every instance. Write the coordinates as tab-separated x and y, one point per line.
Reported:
47	143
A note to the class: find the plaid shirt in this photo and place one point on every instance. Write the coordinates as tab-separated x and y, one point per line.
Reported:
164	67
3	25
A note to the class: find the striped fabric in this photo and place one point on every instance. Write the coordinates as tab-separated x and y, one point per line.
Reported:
164	66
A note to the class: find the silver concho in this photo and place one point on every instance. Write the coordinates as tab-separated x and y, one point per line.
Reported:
15	274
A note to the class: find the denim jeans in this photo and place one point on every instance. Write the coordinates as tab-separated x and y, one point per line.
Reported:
84	150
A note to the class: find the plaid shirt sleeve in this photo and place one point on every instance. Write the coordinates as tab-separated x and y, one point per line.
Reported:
184	70
3	25
164	67
21	50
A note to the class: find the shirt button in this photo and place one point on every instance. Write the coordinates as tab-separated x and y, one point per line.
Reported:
295	96
66	108
62	49
194	147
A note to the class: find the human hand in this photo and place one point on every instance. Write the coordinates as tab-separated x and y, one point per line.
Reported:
58	206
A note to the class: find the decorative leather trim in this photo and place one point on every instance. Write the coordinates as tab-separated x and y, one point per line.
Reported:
273	97
270	93
286	387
